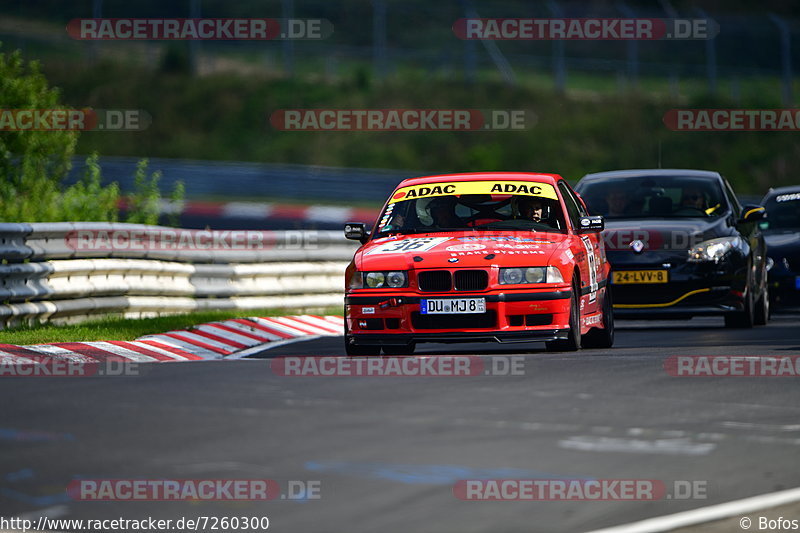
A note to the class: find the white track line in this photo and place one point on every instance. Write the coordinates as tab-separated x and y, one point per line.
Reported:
706	514
256	349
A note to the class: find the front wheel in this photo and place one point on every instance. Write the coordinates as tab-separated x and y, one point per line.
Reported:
602	338
742	319
762	307
573	341
407	349
358	350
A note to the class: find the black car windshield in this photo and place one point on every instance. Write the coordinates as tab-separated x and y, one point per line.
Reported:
783	212
471	212
654	197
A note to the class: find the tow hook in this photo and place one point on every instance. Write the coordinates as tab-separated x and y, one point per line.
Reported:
391	302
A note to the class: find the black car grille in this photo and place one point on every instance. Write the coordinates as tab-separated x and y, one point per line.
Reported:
464	280
471	280
470	321
434	281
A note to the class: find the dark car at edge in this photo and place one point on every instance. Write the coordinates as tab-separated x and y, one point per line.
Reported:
782	233
680	245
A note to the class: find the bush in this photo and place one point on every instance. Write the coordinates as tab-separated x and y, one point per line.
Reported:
34	163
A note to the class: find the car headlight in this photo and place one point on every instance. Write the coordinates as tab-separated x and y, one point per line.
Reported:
379	280
713	249
525	275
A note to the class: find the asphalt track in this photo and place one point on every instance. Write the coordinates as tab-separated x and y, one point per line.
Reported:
388	451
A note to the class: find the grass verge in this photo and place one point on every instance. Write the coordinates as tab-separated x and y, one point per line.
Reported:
125	329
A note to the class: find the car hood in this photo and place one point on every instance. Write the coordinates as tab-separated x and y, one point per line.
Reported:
478	249
663	240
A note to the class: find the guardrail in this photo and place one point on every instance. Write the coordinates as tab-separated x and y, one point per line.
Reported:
69	272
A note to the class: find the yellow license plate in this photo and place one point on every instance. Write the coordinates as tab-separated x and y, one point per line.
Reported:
640	276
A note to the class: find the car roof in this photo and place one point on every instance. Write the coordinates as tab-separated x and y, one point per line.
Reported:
483	176
635	173
781	190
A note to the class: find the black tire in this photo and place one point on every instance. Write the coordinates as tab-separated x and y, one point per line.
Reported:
407	349
573	341
762	310
359	350
742	319
602	338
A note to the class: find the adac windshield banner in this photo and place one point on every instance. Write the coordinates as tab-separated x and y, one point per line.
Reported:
527	188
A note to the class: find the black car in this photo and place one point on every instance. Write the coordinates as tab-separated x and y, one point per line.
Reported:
680	245
782	233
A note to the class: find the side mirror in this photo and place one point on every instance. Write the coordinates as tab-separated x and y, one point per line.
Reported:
592	224
753	213
356	231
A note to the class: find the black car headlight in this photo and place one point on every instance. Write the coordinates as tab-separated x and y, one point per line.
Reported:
529	275
714	249
393	279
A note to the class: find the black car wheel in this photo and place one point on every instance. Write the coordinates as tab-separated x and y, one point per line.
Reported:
573	341
358	349
742	319
763	304
407	349
602	338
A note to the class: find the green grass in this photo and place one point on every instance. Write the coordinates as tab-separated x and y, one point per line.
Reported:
121	329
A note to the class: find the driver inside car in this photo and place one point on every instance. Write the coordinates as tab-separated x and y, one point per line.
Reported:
443	211
531	209
692	197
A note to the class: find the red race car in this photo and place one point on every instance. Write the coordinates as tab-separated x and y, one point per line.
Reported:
496	256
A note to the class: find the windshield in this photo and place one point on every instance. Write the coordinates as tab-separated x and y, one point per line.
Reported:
471	212
654	197
783	212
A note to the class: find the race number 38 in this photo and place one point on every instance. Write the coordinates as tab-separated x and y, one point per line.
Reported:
408	245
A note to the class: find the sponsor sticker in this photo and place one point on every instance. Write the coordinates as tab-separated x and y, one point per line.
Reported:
420	244
526	188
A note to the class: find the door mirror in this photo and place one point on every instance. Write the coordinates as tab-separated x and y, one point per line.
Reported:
753	213
356	231
592	224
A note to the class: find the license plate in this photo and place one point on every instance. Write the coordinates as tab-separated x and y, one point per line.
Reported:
640	276
449	306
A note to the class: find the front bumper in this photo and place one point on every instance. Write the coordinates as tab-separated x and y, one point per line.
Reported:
692	289
392	318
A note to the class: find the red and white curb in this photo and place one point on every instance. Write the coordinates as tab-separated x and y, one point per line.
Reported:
227	339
